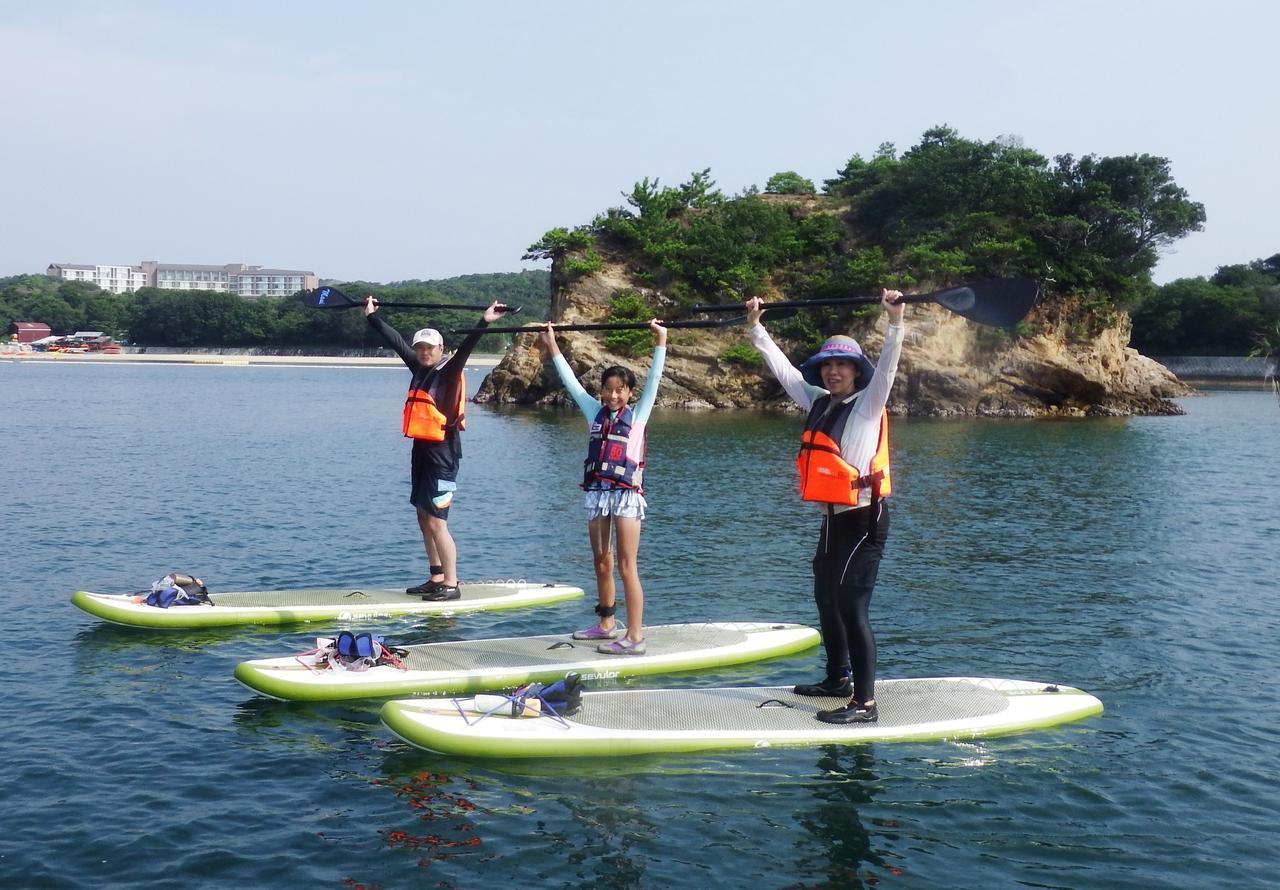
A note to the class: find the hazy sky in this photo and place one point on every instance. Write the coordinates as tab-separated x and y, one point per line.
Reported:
394	140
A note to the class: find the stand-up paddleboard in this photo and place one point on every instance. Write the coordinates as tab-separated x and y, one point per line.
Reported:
334	604
650	721
481	665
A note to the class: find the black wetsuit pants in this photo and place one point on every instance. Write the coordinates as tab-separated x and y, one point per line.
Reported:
844	575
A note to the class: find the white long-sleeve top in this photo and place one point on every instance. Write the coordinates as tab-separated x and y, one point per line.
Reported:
862	433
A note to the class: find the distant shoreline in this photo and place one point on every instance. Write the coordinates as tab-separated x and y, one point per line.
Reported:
205	358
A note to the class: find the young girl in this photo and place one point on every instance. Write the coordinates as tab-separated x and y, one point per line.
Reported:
612	479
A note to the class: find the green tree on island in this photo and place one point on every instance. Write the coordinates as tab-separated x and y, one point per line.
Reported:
789	182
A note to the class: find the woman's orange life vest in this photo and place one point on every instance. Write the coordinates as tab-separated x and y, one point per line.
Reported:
423	418
825	477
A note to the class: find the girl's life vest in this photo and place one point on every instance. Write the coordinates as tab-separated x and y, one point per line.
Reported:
825	477
612	454
423	418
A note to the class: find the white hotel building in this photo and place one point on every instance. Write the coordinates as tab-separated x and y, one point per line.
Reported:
117	279
234	278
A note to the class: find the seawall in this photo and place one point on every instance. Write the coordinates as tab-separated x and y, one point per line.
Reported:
229	358
1190	368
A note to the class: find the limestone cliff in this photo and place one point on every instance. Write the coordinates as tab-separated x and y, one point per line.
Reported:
1077	362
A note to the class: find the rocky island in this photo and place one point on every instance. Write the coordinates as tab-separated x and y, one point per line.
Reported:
946	212
1077	362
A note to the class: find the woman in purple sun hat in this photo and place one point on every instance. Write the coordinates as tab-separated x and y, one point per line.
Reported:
844	468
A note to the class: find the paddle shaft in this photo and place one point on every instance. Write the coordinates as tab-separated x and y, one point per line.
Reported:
805	304
332	298
1001	302
507	309
605	326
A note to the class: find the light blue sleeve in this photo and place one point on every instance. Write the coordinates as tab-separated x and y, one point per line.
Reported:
650	393
586	404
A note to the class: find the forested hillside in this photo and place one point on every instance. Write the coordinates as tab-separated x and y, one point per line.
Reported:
154	317
1235	311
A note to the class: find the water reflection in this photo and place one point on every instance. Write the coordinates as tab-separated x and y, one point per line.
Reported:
847	782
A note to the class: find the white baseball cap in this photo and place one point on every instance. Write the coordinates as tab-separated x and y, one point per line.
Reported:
429	336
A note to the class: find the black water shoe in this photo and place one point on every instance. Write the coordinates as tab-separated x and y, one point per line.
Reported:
853	712
428	586
838	687
441	592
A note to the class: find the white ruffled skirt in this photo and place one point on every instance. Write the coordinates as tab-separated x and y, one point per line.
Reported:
626	503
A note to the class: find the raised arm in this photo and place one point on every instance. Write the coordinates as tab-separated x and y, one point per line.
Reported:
650	394
467	346
803	394
587	404
390	335
876	395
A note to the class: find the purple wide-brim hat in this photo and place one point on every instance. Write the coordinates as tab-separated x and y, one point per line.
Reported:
843	347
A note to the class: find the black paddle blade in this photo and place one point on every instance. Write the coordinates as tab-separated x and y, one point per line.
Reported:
1000	302
957	299
328	298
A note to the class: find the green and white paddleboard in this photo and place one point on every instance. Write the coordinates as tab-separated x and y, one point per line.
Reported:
481	665
332	604
651	721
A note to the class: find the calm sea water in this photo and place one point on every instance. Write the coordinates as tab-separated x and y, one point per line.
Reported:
1134	558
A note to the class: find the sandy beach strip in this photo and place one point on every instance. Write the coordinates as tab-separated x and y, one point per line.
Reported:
202	358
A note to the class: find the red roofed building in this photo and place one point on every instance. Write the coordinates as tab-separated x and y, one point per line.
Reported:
29	331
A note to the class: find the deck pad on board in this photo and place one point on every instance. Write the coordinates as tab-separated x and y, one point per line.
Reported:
483	665
317	604
646	721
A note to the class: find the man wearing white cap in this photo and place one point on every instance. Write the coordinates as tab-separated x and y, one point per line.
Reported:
844	467
434	419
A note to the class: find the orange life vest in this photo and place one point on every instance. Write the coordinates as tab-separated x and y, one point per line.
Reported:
825	477
423	418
